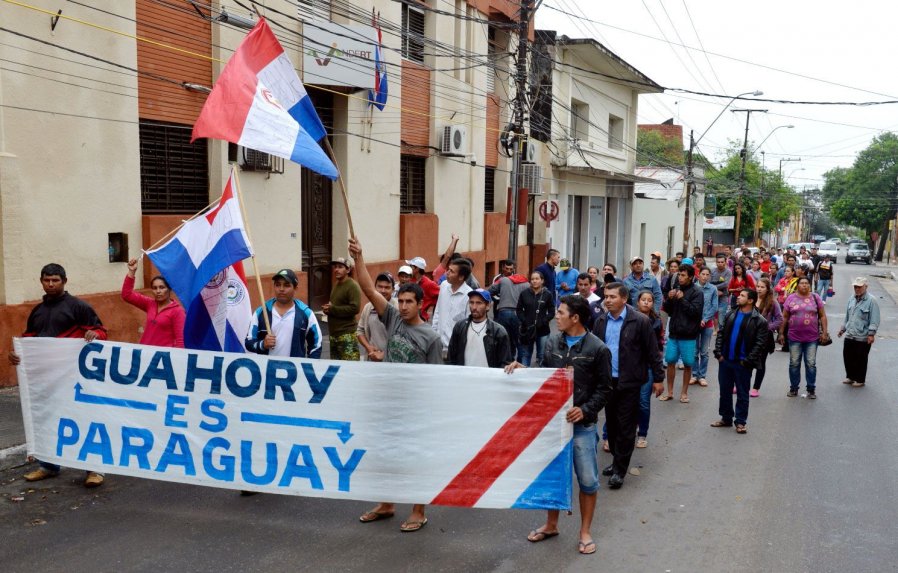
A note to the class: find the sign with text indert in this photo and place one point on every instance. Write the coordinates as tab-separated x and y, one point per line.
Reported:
447	435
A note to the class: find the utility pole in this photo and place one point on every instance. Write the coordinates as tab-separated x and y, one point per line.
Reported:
520	110
757	233
748	113
690	186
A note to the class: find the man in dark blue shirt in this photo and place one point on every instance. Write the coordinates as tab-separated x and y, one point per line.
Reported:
741	342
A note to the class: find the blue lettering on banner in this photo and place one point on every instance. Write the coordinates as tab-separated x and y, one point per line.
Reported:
140	451
224	473
307	470
174	406
344	470
96	442
246	463
67	434
182	457
221	421
242	376
196	372
131	376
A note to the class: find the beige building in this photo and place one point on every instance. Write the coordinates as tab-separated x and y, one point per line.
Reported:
96	162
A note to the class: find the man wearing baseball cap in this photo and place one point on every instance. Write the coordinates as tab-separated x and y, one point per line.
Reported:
638	280
430	288
294	328
479	341
566	279
341	310
859	328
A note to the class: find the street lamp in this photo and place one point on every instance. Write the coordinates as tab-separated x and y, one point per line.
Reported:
784	160
693	143
757	233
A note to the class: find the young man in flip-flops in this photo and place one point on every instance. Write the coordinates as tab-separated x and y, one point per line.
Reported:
409	340
577	349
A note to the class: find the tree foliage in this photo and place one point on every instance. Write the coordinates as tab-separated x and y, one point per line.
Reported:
652	148
864	195
778	200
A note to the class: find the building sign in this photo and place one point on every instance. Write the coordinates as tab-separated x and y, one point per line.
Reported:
338	55
719	223
710	206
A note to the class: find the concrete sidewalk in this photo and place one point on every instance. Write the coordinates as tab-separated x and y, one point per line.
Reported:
12	430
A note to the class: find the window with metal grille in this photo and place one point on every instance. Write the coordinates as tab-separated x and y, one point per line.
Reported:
411	184
412	33
492	54
174	173
489	189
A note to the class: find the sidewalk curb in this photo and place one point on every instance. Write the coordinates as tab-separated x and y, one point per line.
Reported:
12	457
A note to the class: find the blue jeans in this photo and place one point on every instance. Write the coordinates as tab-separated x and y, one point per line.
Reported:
723	305
525	351
586	462
823	287
809	351
508	318
702	346
730	374
645	407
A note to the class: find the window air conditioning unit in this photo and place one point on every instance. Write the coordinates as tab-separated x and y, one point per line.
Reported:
454	141
529	155
531	178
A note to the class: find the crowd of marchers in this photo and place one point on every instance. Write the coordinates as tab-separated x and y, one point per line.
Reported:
623	335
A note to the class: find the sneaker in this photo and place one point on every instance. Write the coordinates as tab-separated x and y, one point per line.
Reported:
812	395
792	393
39	474
641	442
754	393
848	381
857	385
93	479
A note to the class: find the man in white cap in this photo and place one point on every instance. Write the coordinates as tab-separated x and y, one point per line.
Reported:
859	327
638	280
430	288
403	276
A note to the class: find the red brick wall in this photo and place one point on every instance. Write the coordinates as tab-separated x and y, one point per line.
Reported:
667	130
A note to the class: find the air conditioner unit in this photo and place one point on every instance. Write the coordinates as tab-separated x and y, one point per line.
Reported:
454	142
529	155
531	178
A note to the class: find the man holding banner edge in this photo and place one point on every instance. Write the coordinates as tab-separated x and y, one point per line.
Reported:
410	340
589	359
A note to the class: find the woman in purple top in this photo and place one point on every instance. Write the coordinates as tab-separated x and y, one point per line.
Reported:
802	311
770	310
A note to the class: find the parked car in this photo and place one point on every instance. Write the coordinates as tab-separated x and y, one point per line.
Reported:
858	252
830	249
835	240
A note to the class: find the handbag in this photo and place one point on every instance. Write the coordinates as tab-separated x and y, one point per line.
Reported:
830	292
823	338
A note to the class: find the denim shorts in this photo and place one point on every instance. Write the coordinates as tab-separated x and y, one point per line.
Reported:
586	462
680	350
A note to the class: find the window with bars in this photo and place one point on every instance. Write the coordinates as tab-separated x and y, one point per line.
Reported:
314	9
411	184
489	189
413	33
174	173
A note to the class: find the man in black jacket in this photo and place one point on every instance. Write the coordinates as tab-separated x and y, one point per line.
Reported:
684	305
576	349
479	341
741	343
634	349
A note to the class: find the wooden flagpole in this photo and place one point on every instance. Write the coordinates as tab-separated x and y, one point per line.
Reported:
330	151
176	229
253	256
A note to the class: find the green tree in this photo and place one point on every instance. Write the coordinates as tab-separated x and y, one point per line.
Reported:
652	148
864	195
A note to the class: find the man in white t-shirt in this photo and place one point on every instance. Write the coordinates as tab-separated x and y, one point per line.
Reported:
584	288
479	341
452	305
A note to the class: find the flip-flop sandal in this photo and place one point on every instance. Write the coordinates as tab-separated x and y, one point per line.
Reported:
740	429
605	447
410	526
703	383
665	397
371	516
684	399
721	424
536	536
587	548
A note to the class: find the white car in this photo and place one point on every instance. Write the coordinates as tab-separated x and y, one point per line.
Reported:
830	249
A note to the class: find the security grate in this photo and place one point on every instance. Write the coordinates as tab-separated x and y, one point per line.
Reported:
412	34
174	173
411	184
489	189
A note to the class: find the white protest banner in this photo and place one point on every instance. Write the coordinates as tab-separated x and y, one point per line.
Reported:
447	435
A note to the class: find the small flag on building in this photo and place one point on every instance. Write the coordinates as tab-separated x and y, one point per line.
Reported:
378	96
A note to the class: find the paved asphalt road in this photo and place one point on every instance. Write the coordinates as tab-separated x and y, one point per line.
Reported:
811	487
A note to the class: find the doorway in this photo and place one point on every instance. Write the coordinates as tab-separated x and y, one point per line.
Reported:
317	215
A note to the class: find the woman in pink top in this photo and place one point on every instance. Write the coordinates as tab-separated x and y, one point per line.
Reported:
805	315
165	317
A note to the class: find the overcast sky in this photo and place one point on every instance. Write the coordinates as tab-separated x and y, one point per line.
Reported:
789	49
